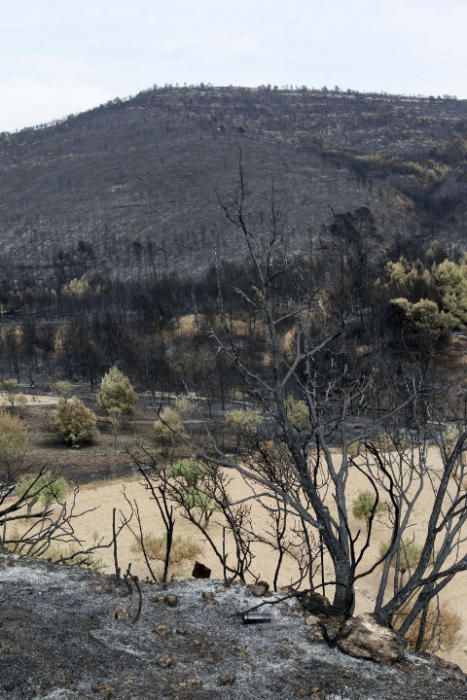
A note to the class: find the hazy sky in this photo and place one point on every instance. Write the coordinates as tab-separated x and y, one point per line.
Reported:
63	56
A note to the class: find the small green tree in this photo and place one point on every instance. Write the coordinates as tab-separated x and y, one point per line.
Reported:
116	392
64	389
193	491
116	396
44	489
297	413
13	440
73	422
243	423
169	428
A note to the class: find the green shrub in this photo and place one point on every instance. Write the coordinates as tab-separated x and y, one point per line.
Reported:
116	393
193	492
364	504
243	423
169	427
44	489
189	470
297	413
63	388
73	422
409	554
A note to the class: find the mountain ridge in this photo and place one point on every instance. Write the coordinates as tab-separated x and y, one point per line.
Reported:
131	188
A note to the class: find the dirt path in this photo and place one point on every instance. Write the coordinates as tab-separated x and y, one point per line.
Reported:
45	400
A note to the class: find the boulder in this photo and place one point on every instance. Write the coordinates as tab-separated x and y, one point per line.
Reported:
259	589
227	679
171	600
314	603
200	571
365	638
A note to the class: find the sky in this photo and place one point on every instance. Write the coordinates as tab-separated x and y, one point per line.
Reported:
59	57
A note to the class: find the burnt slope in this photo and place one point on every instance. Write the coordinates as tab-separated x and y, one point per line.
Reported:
64	634
132	186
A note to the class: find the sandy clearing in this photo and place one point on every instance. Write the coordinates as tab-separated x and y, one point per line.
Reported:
30	400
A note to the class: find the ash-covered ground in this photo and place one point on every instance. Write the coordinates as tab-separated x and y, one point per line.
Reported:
67	634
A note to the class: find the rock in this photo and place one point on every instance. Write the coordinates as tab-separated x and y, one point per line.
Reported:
227	678
163	630
259	589
314	602
208	596
314	633
364	638
130	680
452	669
311	620
240	653
190	682
105	689
119	613
200	571
220	589
166	661
171	600
157	599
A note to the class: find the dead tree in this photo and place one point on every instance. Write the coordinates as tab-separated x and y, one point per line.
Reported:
49	532
312	470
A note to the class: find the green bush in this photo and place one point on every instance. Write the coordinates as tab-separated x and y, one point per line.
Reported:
73	422
193	492
409	553
363	505
44	489
243	423
116	393
189	470
169	427
297	413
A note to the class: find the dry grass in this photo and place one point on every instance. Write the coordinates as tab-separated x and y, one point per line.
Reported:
183	548
442	630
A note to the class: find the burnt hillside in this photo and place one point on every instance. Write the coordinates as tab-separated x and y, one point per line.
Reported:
68	634
132	187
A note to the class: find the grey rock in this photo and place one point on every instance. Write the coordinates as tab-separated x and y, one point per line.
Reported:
259	589
171	600
364	638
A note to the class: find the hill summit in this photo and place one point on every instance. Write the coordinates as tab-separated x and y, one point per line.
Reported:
132	188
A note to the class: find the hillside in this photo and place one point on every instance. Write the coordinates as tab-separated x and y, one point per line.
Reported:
132	187
67	634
